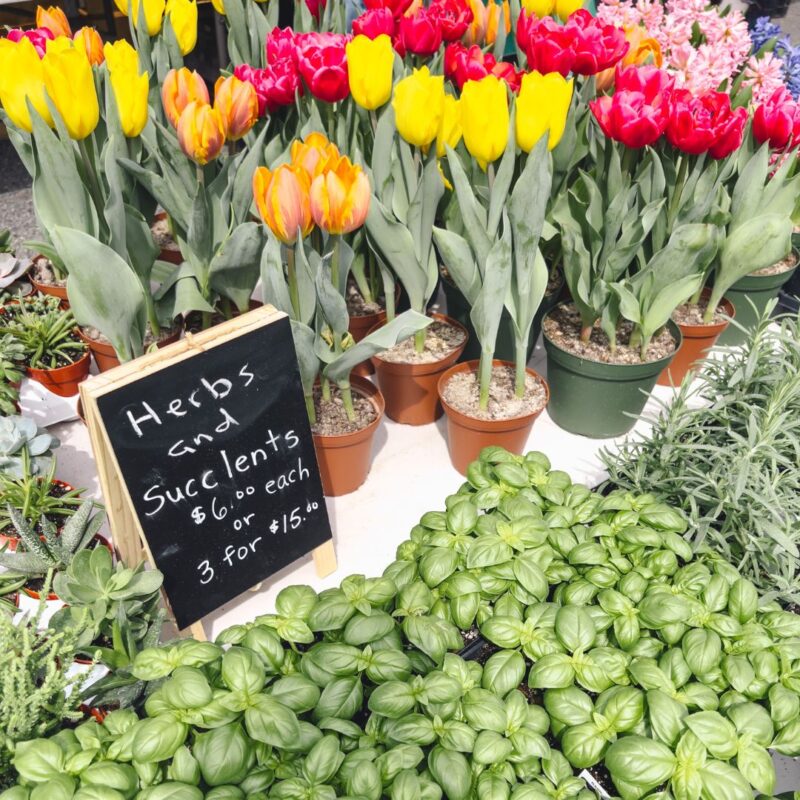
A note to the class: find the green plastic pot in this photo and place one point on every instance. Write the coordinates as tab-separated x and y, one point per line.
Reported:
505	350
599	400
750	297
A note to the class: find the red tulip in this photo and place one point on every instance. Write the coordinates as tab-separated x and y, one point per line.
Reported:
316	7
277	85
462	64
777	120
39	38
281	45
397	7
548	46
595	46
454	17
704	124
374	22
323	65
420	33
637	113
507	72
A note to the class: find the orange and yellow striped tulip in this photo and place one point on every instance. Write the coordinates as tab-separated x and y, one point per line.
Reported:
282	200
314	154
201	134
54	19
237	103
88	40
340	197
180	88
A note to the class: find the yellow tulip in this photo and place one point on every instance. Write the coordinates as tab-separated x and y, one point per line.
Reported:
282	200
219	6
643	50
153	13
450	129
565	8
88	40
201	133
54	19
419	106
69	81
542	107
485	118
541	8
183	18
22	79
121	57
339	197
370	63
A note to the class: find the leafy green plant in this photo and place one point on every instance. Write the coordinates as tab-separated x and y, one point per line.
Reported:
36	695
35	496
52	550
11	356
25	448
724	451
48	339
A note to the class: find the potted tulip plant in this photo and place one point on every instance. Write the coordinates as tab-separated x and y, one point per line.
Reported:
407	188
492	253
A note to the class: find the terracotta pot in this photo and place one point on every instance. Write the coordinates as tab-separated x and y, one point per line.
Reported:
63	381
48	288
359	327
105	356
171	256
697	341
467	436
410	390
344	461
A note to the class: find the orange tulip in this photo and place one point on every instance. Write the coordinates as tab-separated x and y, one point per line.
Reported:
180	88
340	197
282	200
643	50
237	103
54	19
486	21
315	154
201	133
88	40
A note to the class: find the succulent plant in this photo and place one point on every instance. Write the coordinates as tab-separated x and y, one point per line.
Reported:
5	240
12	269
35	556
11	354
25	448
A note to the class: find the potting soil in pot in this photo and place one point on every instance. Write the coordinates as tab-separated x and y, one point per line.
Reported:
784	265
357	306
162	235
563	328
43	273
440	340
332	418
463	393
692	314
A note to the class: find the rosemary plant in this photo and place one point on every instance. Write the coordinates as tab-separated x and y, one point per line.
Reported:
727	451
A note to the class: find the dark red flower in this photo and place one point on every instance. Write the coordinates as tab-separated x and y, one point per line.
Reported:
420	33
636	114
508	73
548	46
595	46
277	85
777	120
462	64
454	17
397	7
374	22
322	63
704	124
316	7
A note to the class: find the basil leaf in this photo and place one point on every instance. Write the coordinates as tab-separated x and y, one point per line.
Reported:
715	732
755	764
342	698
570	706
635	759
583	745
721	780
271	722
702	650
554	671
157	739
503	672
666	715
574	628
451	771
393	699
243	671
323	760
225	755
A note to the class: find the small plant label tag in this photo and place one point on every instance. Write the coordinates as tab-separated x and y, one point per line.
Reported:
594	784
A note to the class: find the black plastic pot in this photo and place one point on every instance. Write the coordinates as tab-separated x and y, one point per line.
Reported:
599	400
505	350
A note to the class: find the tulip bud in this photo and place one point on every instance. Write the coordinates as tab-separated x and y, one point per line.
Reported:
121	57
485	118
21	60
283	202
237	103
315	154
69	82
201	133
54	19
340	197
130	88
418	105
370	63
183	19
153	13
542	107
88	40
181	87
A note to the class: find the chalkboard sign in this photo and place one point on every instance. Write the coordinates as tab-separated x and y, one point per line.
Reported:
211	442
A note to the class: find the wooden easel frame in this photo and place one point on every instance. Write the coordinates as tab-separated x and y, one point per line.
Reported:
128	536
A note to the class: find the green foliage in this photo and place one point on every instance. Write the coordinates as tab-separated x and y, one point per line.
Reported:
25	448
725	451
11	356
36	695
47	337
609	643
37	553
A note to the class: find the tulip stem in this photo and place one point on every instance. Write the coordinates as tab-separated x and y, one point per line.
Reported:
485	378
490	176
373	118
347	399
419	341
85	147
335	257
312	412
675	202
294	294
520	362
326	389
